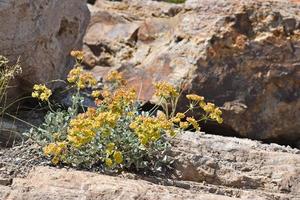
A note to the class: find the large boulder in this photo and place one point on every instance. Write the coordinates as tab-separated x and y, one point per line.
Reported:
42	33
242	55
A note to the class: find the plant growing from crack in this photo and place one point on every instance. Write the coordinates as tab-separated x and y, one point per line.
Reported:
115	134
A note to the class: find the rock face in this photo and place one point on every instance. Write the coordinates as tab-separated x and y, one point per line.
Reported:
238	164
42	33
242	55
206	167
45	183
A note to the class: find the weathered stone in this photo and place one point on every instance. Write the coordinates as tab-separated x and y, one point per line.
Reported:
206	167
42	33
238	163
49	183
241	55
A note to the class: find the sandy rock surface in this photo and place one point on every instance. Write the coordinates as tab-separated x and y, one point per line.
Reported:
206	167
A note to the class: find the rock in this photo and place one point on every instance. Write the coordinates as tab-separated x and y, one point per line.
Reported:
50	183
241	55
238	163
5	181
206	167
42	33
4	191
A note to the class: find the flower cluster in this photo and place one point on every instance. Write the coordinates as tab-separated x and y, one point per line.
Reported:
165	90
81	78
149	129
85	126
213	112
115	76
41	92
113	156
55	150
78	55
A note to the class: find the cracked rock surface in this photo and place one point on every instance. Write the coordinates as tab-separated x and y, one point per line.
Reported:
206	167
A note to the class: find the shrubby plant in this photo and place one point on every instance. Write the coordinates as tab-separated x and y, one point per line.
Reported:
115	134
7	73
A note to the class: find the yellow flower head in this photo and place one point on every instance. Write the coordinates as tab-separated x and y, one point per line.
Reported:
41	92
115	76
180	115
118	157
110	147
193	122
214	113
96	93
55	150
108	162
175	119
194	97
165	90
77	54
55	160
149	129
184	125
209	107
81	78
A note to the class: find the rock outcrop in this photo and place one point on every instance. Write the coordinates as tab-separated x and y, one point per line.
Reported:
206	167
242	55
240	164
42	33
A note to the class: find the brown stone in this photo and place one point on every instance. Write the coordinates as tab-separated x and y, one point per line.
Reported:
42	34
241	55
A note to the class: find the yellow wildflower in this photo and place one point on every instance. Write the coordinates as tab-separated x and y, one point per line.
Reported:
180	115
175	119
193	122
110	147
209	107
77	54
55	150
108	162
96	93
81	78
149	128
55	160
218	111
81	129
165	90
115	76
118	157
202	104
184	125
41	92
215	114
105	93
216	117
194	97
74	74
